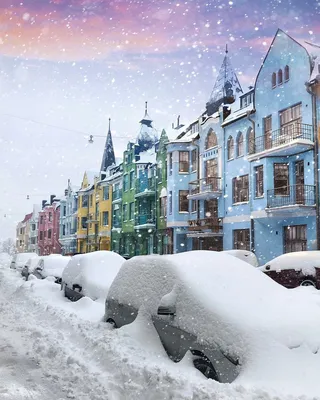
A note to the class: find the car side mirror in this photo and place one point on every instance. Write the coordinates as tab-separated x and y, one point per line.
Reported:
167	304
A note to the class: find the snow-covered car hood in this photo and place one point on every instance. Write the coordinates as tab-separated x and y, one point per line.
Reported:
306	261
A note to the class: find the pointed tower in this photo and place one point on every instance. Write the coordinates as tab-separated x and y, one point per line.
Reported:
147	135
108	154
226	88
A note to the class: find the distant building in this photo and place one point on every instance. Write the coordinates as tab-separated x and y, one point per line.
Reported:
68	220
23	234
48	232
33	230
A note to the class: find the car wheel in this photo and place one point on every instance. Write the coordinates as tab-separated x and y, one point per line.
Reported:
111	322
308	282
204	365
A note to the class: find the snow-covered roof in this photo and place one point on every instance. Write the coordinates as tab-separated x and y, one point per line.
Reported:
148	156
314	52
305	261
239	113
91	175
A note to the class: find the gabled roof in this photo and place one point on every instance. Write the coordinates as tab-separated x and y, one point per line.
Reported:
27	217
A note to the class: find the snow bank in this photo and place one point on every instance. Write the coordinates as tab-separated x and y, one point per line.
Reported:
306	261
5	260
244	255
94	272
19	260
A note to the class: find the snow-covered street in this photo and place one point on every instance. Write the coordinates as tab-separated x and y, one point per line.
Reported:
51	348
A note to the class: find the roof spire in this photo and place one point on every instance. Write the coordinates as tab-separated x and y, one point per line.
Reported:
146	109
108	157
226	48
109	130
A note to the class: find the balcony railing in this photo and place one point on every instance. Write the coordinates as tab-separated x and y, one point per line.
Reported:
143	186
284	135
145	219
294	195
210	184
117	194
212	223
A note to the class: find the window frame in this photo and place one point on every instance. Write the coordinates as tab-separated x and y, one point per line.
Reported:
280	77
194	160
230	148
281	190
240	189
211	140
259	184
184	165
241	236
240	141
286	73
183	201
274	80
299	239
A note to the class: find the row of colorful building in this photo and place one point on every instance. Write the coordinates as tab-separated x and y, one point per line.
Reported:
242	175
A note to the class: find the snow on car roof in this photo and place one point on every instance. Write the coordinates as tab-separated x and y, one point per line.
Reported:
24	256
94	272
53	266
305	261
244	255
221	299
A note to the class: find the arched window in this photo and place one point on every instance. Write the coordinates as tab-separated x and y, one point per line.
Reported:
280	78
286	73
251	141
211	139
230	148
274	80
240	145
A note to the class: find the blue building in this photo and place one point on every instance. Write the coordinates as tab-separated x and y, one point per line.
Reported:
68	220
244	175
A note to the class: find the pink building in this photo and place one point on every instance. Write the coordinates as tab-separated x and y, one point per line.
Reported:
48	231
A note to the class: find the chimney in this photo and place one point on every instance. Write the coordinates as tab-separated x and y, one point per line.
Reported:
43	203
178	121
51	198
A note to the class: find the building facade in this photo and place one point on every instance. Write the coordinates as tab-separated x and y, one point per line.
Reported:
68	220
48	230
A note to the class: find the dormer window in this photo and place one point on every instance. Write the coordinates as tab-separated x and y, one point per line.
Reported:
280	77
274	80
211	140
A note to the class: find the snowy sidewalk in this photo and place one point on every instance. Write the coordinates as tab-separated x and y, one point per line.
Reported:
52	347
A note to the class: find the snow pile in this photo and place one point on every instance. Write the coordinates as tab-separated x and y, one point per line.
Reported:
244	255
94	272
305	261
31	264
19	260
5	259
223	300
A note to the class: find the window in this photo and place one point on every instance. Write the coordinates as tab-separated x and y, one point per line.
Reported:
280	77
240	145
64	211
251	141
267	127
105	218
170	202
211	140
211	208
259	181
286	73
170	163
41	235
41	219
125	212
295	238
211	171
105	194
33	240
230	147
33	227
50	217
240	188
44	234
184	161
290	120
274	80
63	230
131	211
163	206
183	201
83	222
194	160
131	179
281	179
50	232
84	201
194	205
241	239
125	182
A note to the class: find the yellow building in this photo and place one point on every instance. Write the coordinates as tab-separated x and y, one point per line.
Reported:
104	194
86	212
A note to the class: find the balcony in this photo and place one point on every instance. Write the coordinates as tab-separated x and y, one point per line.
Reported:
145	188
94	218
212	223
145	221
117	195
291	198
288	140
206	188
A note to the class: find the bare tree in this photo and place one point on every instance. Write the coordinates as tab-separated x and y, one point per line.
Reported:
8	246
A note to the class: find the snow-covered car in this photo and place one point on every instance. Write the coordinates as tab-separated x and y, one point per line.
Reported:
19	260
29	267
244	255
301	268
232	318
90	274
52	265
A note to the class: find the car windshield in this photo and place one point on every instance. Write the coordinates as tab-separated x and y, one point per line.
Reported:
145	145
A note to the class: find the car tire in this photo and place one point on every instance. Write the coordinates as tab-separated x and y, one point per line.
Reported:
112	322
308	282
204	365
